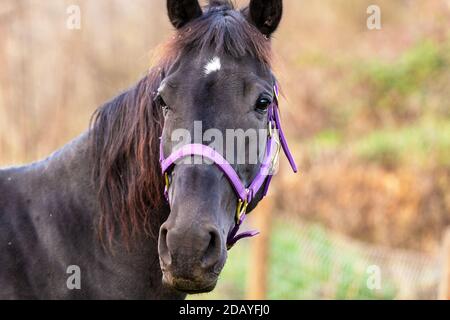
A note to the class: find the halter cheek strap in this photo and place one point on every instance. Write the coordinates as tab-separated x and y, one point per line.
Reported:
275	142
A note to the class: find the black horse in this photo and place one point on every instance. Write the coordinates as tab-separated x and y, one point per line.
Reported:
98	203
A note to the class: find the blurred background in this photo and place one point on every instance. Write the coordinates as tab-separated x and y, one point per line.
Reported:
367	114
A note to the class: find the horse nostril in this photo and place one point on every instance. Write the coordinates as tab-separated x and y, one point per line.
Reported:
164	252
212	253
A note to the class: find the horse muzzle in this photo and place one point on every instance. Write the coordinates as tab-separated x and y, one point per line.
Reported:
191	258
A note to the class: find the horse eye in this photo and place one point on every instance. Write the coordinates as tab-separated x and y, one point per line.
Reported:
263	104
160	101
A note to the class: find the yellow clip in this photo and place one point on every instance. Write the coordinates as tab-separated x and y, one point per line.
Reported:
166	176
241	209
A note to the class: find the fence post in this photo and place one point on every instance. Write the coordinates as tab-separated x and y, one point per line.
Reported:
258	271
444	293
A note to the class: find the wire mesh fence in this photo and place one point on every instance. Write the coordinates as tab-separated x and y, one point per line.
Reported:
308	261
353	265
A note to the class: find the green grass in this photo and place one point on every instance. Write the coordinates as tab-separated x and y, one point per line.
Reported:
328	139
414	69
305	264
419	144
403	87
424	143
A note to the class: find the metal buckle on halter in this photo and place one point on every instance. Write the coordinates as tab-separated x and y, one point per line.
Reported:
273	134
167	182
241	210
271	128
276	157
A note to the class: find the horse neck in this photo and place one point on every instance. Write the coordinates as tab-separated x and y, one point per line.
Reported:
60	189
71	188
68	172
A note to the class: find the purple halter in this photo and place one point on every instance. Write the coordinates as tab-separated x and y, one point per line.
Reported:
275	142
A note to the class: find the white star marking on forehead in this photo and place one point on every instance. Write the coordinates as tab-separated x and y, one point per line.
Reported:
213	65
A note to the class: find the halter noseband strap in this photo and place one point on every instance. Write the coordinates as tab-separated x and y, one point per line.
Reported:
275	142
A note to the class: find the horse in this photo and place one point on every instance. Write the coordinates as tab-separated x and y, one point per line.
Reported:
102	207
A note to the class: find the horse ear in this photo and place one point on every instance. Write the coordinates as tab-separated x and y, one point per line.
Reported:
183	11
265	14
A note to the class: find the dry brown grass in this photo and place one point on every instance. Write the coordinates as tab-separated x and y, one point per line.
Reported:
399	208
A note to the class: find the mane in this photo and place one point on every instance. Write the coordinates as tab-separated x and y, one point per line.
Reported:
125	131
125	135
